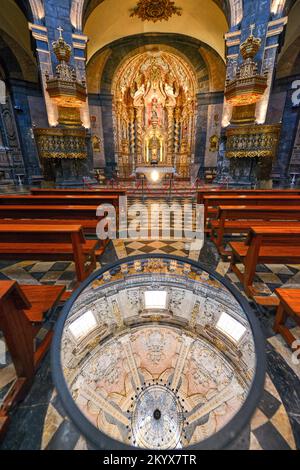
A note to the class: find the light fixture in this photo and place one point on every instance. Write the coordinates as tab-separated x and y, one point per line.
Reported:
155	176
231	327
156	300
81	327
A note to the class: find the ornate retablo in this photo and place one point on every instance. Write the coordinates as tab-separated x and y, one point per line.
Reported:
154	113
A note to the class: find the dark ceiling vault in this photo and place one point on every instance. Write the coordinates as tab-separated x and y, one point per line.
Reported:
24	5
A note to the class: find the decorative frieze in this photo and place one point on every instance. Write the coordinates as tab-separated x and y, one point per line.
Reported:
61	143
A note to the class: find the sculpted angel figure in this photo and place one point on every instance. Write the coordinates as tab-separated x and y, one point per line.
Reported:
170	89
140	88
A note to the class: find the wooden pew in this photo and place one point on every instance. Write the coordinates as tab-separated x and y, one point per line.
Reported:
78	192
22	313
289	307
246	192
59	200
49	243
211	203
239	219
264	245
82	215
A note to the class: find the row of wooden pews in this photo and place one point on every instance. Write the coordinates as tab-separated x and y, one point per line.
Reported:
239	220
53	242
46	225
22	313
267	226
244	192
264	245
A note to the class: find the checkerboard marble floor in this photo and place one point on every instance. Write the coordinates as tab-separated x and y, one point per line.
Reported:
40	421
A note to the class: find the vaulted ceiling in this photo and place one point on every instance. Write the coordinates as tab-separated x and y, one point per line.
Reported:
109	20
90	5
15	38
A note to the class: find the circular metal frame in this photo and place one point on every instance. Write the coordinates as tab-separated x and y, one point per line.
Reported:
220	439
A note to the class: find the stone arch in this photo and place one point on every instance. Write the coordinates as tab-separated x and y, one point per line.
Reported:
288	58
32	9
15	59
9	63
233	10
289	63
37	8
102	65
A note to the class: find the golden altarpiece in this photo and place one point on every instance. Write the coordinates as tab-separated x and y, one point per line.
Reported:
154	114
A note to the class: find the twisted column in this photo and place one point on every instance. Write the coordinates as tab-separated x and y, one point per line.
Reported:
132	138
170	136
139	134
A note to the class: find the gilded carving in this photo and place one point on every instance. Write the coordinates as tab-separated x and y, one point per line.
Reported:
61	143
214	143
64	88
154	113
253	141
248	85
156	10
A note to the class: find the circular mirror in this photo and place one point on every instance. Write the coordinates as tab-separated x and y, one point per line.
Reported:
156	352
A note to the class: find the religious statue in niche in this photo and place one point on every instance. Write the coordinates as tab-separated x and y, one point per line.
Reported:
93	121
214	143
154	112
155	10
97	143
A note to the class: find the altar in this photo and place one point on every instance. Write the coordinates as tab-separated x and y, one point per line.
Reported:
154	115
155	174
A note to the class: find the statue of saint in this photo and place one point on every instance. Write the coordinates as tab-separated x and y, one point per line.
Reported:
154	113
154	148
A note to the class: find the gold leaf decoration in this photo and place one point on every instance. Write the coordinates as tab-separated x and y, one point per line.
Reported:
156	10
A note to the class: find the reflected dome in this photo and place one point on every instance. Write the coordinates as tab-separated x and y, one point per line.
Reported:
156	353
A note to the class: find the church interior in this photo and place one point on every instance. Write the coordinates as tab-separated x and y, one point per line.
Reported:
150	225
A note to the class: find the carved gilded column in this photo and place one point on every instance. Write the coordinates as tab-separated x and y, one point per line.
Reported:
139	134
132	137
177	134
117	134
191	127
177	129
170	156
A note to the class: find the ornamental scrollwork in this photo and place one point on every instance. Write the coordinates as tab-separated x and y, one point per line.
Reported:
156	10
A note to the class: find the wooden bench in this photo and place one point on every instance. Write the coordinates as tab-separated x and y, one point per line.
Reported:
264	245
211	203
60	200
289	307
239	219
77	192
244	192
82	215
22	314
50	243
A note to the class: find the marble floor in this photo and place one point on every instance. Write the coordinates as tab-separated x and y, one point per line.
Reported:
40	421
